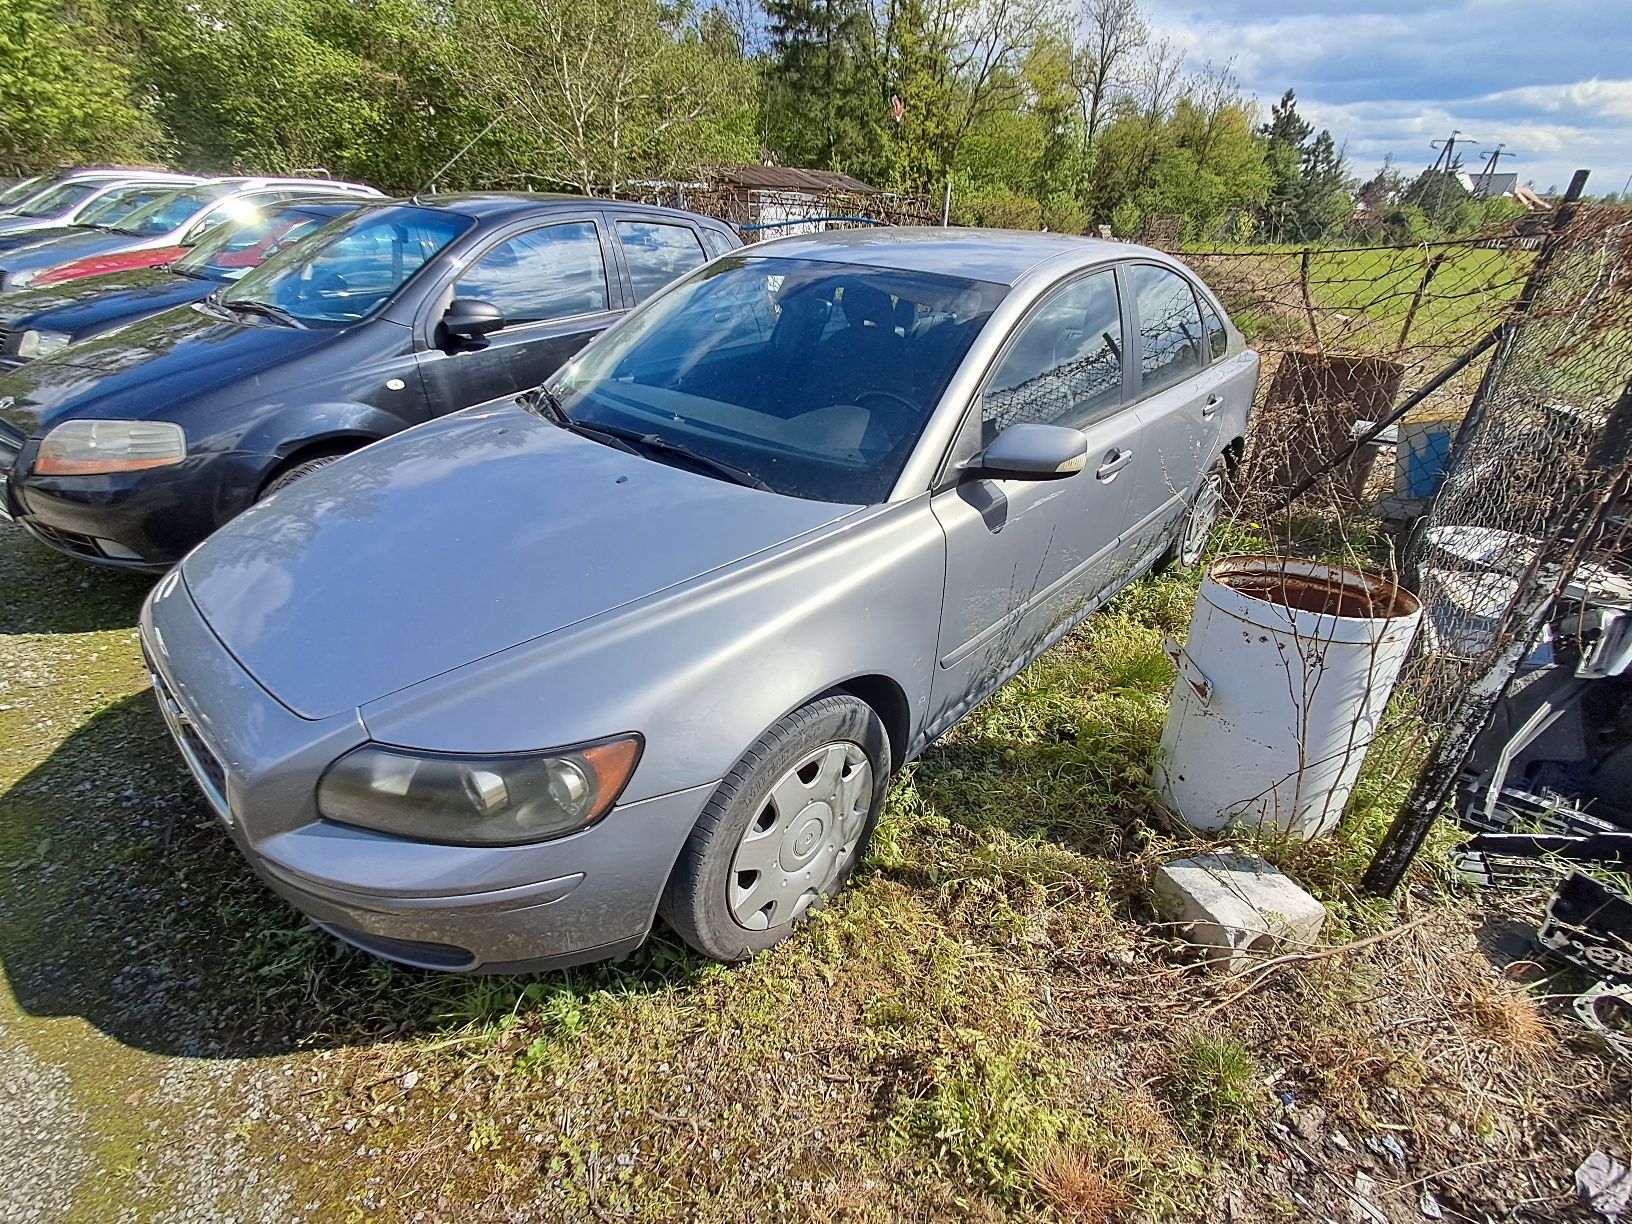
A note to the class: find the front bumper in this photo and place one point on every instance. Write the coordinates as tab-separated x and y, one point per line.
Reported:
145	520
589	896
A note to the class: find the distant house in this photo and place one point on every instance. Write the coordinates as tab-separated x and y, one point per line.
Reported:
788	200
1498	186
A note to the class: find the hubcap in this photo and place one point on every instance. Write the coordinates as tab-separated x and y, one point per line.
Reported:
805	831
1198	525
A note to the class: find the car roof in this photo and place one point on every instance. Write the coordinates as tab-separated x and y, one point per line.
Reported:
501	205
997	256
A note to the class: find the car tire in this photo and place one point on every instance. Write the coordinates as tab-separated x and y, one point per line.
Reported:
770	848
297	471
1189	543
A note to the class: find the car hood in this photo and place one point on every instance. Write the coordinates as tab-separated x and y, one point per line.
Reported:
456	540
75	305
114	261
76	245
10	240
138	370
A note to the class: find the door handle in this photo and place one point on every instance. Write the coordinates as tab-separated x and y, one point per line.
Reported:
1115	460
1214	402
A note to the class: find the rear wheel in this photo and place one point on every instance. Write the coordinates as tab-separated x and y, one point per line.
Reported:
783	832
1190	545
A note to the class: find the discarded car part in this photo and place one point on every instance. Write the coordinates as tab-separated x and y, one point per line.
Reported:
1589	1009
1297	660
1589	924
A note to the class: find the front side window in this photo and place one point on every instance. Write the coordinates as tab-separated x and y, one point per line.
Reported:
814	378
551	273
1170	339
657	253
350	268
1065	364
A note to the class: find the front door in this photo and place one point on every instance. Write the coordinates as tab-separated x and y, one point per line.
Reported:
550	283
1026	559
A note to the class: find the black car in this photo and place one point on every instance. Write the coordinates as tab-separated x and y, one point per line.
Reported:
129	448
39	322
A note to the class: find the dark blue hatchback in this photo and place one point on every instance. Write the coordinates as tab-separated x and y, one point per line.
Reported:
128	448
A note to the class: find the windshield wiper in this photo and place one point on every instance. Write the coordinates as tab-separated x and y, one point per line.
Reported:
251	306
660	444
548	405
181	271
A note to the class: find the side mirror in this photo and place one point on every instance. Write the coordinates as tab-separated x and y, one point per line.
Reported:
1033	452
472	319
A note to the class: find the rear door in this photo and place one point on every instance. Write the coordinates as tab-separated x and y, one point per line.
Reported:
1175	400
1025	559
551	284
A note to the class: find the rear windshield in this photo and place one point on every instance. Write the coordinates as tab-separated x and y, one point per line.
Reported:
170	211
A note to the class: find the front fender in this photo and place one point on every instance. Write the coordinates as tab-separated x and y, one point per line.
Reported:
292	427
705	669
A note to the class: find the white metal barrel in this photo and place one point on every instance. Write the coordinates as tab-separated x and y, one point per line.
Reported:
1281	686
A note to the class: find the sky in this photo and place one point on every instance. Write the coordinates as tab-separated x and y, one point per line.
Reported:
1551	80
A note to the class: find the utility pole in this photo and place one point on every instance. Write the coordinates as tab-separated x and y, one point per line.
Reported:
1447	157
1496	156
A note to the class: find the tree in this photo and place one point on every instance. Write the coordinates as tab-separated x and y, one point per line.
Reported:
597	92
1308	176
1113	31
820	109
64	95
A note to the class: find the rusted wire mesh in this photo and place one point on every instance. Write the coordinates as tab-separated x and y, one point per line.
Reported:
1524	546
1344	333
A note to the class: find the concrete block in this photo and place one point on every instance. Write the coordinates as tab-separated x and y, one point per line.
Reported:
1238	907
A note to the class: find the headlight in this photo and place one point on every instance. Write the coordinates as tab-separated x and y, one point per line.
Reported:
86	448
41	343
500	800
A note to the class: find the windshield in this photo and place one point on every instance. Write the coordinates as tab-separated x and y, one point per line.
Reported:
119	204
229	252
18	192
350	268
170	211
814	377
59	199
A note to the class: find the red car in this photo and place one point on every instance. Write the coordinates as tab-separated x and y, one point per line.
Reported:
117	261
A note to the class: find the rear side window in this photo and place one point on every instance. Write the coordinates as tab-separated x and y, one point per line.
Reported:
551	273
717	243
1170	338
657	253
1218	338
1065	366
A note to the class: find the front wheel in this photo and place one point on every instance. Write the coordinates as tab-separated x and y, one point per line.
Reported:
1190	545
783	832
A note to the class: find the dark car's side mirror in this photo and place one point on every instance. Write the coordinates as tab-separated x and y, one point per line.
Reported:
472	319
1032	452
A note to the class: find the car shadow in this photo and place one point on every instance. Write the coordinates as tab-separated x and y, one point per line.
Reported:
127	905
34	581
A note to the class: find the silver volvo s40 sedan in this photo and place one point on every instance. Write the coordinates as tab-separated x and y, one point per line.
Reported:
493	693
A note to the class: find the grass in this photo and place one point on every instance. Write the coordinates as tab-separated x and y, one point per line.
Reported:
986	1026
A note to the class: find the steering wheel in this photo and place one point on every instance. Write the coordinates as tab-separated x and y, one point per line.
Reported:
902	400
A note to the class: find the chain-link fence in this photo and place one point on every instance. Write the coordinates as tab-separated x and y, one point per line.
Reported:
1345	333
1521	560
